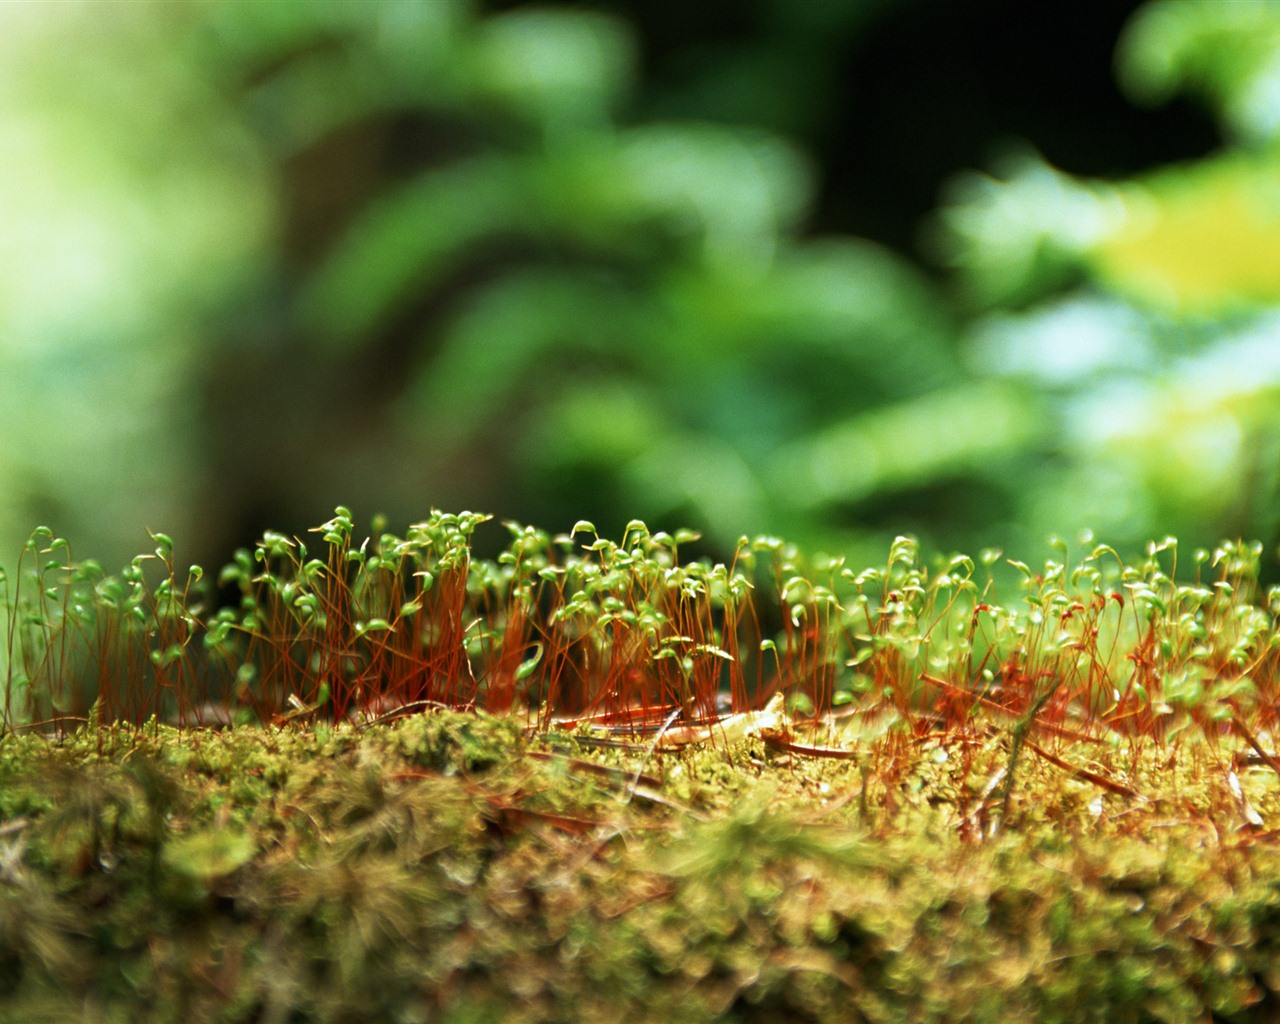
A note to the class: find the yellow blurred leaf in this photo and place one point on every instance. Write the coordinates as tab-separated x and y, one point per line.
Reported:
1199	239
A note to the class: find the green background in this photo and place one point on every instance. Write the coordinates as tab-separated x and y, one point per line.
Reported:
979	271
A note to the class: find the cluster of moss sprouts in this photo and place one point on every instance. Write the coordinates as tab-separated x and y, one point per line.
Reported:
625	632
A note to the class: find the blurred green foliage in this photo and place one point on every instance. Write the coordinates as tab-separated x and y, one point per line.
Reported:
259	258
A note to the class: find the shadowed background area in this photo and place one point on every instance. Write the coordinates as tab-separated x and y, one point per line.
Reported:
980	271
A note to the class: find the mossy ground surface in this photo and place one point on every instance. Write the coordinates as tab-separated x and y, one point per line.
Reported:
451	867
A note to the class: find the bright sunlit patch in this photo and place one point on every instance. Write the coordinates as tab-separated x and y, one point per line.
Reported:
1199	240
1065	343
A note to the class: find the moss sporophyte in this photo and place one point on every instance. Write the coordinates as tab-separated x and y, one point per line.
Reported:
589	780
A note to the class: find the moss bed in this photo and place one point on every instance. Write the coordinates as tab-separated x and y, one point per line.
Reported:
456	867
592	780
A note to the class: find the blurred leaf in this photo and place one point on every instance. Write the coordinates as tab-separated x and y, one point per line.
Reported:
1225	53
565	69
1021	235
1203	238
737	189
1074	341
602	425
408	239
526	320
863	307
700	475
939	433
1197	441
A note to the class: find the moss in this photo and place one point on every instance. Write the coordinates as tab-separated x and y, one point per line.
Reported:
450	867
452	742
